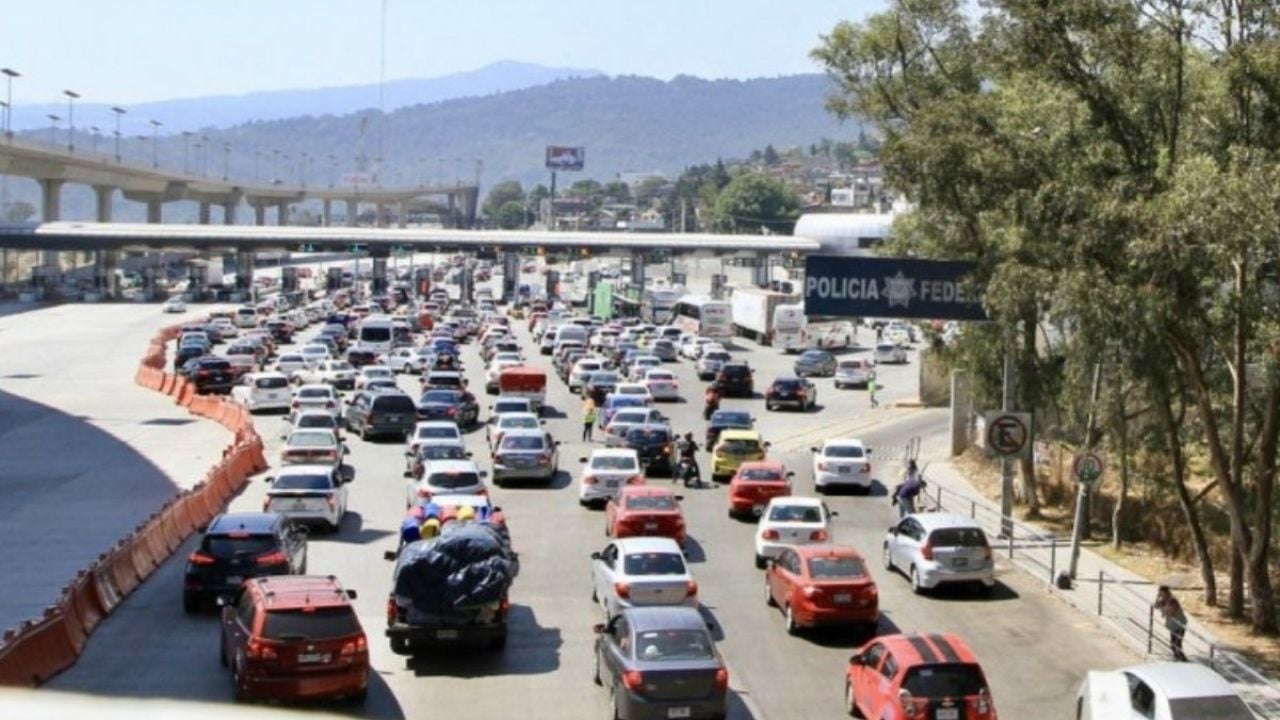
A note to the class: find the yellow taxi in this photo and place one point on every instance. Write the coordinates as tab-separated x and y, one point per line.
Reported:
733	448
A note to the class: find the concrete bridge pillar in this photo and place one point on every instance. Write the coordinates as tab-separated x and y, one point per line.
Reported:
282	213
760	271
103	194
51	210
453	212
380	215
328	212
402	214
378	284
637	271
104	273
155	210
353	212
204	213
259	214
229	213
244	273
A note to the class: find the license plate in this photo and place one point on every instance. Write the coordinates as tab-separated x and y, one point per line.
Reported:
298	505
651	526
393	418
947	714
611	483
679	712
234	579
446	634
843	598
313	657
844	469
960	562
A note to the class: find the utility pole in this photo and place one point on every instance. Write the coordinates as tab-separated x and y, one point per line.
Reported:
1079	529
1006	462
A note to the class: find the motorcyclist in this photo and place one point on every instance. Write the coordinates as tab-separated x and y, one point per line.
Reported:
711	399
689	470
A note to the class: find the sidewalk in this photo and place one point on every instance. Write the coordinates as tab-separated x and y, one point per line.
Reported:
1118	600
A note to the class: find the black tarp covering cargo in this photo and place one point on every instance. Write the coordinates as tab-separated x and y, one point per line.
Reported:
467	567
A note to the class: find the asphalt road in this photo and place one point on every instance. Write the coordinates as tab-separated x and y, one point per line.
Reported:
1034	649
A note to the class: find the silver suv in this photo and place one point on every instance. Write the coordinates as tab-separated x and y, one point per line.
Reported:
939	548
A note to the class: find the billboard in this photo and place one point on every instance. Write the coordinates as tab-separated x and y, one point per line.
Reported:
890	288
560	157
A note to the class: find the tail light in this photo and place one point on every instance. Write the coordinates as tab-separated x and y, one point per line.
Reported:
424	492
691	588
204	373
392	611
800	393
926	552
544	457
368	417
589	480
272	558
329	404
769	534
818	535
722	679
452	411
635	480
823	467
296	404
352	647
908	703
199	558
623	590
984	701
812	591
633	680
986	550
259	650
866	468
331	502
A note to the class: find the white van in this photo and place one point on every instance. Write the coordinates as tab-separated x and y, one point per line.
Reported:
376	334
570	332
246	317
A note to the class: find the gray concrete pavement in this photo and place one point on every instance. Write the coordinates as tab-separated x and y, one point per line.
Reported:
1035	650
87	453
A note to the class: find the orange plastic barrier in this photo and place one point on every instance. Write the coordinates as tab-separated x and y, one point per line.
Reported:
81	598
104	584
123	572
37	651
186	392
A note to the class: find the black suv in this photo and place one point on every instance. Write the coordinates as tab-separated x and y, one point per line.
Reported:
791	391
237	546
210	374
655	446
381	413
735	380
359	357
449	404
599	385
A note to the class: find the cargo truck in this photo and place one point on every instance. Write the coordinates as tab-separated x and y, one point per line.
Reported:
753	311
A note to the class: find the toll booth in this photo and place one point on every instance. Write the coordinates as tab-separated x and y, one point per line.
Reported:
288	279
333	278
553	283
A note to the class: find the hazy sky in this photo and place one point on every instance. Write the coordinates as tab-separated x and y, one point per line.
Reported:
123	51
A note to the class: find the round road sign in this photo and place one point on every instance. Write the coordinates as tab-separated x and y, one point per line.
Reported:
1087	467
1007	434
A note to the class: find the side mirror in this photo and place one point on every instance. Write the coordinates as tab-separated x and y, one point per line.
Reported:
595	556
679	498
768	444
269	479
483	473
352	594
407	474
389	555
856	660
813	449
598	628
790	474
893	530
582	460
833	513
867	450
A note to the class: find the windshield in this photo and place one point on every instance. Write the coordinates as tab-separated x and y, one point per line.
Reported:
619	463
442	452
311	440
522	442
836	568
673	645
795	513
303	482
450	431
761	474
651	502
224	547
437	397
271	383
454	479
653	563
312	623
950	680
843	451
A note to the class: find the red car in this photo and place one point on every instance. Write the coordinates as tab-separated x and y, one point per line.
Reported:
645	510
755	484
294	637
905	677
822	585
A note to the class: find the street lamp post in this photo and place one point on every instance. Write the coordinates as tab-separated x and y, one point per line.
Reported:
275	157
9	75
257	156
333	168
97	133
186	139
53	128
302	168
226	159
118	111
72	95
204	155
155	143
142	148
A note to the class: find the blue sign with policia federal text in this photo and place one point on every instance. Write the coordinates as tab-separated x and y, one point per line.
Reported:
890	288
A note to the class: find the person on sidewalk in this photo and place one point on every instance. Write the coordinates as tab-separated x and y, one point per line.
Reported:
904	496
588	418
872	387
1174	619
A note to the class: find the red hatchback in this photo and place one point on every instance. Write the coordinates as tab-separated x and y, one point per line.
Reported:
755	484
822	585
645	510
294	638
905	677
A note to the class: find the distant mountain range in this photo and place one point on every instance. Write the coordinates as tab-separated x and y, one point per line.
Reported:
222	111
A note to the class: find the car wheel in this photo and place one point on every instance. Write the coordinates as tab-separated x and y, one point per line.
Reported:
888	558
358	697
916	587
850	702
792	628
768	596
364	433
759	562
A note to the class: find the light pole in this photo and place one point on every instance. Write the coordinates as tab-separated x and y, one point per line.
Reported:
284	160
118	111
275	156
302	167
333	169
53	128
155	143
257	157
9	75
97	133
186	140
226	159
142	148
204	155
71	119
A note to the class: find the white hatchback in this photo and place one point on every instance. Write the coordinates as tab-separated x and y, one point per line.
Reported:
637	571
841	462
662	384
263	391
308	493
791	520
606	471
935	548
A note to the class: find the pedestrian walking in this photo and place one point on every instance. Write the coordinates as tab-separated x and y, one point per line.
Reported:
879	332
904	496
1174	619
872	387
588	418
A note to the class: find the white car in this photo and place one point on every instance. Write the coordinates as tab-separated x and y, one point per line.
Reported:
317	397
494	371
312	446
460	477
663	385
373	372
263	391
314	354
308	494
637	389
175	305
709	363
791	520
1159	691
889	353
641	571
899	333
841	462
226	328
435	432
643	364
582	369
510	421
336	373
606	471
936	548
308	419
290	363
615	433
404	360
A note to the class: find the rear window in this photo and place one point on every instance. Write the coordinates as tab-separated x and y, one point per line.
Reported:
675	645
442	452
613	463
454	479
735	371
957	537
651	502
510	407
796	513
447	397
303	482
649	436
1221	707
740	445
724	418
761	475
314	393
271	383
394	404
225	547
787	384
311	440
522	442
375	334
947	680
317	420
448	380
653	563
831	568
843	451
717	356
215	365
310	624
438	432
604	378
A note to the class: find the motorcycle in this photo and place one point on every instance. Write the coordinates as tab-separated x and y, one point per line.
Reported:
687	472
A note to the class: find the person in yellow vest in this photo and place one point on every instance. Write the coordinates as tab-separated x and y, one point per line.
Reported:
588	418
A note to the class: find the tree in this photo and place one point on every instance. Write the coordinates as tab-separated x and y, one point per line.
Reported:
501	194
511	216
648	190
617	192
751	202
770	155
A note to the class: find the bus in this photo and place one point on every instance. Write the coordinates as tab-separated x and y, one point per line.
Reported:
703	316
794	332
624	307
657	305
